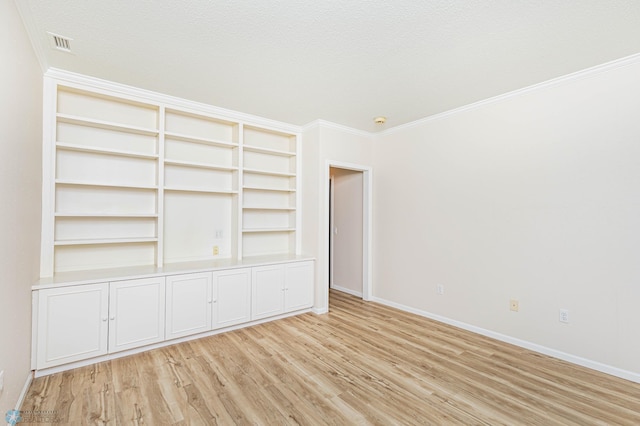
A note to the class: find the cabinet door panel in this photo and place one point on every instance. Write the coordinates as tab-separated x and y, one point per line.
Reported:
267	288
298	286
72	324
189	302
136	313
232	300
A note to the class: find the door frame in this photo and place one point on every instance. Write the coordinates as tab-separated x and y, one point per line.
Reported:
367	223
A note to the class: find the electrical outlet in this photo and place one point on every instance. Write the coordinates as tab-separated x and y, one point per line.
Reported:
440	289
216	250
219	234
514	305
564	315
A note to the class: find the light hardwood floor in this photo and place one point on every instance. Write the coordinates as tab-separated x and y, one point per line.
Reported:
363	363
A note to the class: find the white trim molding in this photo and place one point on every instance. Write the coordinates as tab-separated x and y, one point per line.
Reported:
160	98
367	224
594	365
346	290
568	78
24	391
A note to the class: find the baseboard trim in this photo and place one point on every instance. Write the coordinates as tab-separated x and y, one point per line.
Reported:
24	391
90	361
347	290
320	311
584	362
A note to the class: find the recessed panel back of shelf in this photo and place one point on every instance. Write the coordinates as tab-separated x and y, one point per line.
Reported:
270	219
284	183
105	108
194	224
197	178
269	140
100	256
101	200
88	167
105	139
270	163
199	126
104	228
198	153
276	199
258	244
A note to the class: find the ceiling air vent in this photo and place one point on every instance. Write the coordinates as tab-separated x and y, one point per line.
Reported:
60	42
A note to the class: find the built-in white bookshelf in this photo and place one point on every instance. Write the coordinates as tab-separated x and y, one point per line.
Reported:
105	181
134	181
269	210
201	186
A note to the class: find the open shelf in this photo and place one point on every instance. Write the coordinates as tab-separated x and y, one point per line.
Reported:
269	151
199	165
104	241
263	230
71	119
269	172
269	208
104	185
119	153
107	215
203	190
258	188
194	139
132	181
268	140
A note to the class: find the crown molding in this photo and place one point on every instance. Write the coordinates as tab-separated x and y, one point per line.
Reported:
172	101
565	79
71	77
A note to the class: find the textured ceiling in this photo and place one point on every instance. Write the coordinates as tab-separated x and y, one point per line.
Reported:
341	61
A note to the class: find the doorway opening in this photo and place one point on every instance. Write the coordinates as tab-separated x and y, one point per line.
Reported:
348	229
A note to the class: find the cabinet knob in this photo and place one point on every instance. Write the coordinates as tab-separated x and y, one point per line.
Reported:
112	318
209	301
104	319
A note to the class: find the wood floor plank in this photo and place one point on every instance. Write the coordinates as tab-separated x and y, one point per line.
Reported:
360	364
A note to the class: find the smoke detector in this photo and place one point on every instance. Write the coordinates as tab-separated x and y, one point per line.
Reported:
59	42
380	120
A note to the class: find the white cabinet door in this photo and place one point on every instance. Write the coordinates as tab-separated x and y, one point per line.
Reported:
189	300
232	297
72	324
267	288
136	313
298	286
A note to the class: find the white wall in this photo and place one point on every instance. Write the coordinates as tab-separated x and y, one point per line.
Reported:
322	144
347	242
534	197
20	184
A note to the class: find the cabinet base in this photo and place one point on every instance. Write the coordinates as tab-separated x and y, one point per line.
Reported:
108	357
